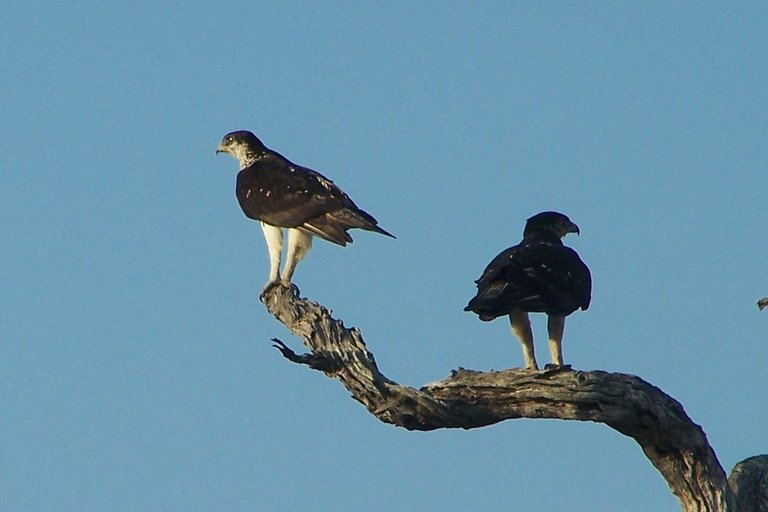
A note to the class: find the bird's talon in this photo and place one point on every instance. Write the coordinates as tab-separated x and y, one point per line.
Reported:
267	288
553	366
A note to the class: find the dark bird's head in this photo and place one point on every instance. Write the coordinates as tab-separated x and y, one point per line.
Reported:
243	145
549	223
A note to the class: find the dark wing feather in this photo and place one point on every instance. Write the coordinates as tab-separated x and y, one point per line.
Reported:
279	193
275	191
325	227
536	276
336	223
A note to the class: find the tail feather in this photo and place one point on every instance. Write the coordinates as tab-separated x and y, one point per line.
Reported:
333	226
485	303
328	230
377	229
499	298
357	218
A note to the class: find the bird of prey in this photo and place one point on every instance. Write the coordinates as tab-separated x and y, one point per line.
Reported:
538	275
280	194
762	303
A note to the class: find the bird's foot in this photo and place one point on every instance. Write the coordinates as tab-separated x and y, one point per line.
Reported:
553	366
268	287
282	283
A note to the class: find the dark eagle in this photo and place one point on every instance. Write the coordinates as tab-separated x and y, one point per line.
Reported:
538	275
280	194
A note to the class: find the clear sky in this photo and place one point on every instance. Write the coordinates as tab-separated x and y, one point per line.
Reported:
136	372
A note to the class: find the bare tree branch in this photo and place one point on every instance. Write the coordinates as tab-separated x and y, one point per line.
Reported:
467	399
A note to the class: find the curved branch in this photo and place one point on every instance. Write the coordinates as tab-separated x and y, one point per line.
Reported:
467	399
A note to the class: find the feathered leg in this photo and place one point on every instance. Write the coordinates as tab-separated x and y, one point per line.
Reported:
521	326
274	236
556	327
299	244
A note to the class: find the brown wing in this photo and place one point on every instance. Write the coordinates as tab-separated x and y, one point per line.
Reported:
280	193
537	276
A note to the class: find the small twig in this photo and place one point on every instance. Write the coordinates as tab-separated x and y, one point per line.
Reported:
314	361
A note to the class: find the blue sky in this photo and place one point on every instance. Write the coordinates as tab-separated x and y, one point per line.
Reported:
136	371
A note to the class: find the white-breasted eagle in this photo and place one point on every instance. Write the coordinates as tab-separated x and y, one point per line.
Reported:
280	194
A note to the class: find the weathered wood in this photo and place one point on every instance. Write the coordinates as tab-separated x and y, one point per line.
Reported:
467	399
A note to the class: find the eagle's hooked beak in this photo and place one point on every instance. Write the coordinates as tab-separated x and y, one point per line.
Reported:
220	149
573	228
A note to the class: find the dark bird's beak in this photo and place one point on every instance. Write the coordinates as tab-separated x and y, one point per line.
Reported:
573	228
221	149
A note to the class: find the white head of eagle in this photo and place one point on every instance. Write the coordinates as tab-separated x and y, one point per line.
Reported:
539	274
282	195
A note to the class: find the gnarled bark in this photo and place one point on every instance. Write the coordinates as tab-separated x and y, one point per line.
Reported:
467	399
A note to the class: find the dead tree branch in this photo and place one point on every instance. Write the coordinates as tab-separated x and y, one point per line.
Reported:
467	399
